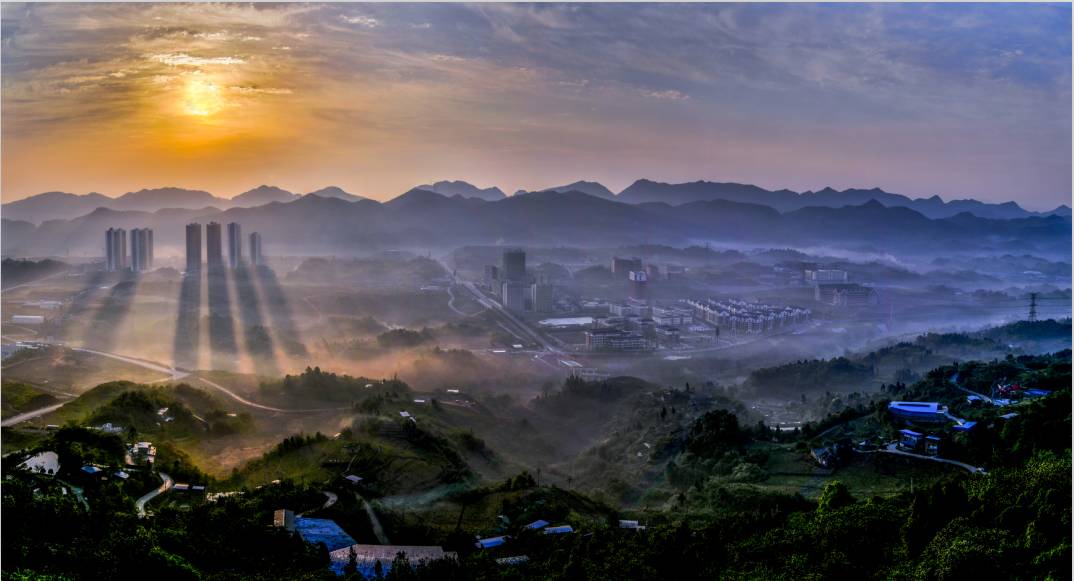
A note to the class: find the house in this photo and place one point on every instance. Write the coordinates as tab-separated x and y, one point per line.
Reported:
366	557
964	426
490	542
122	475
536	525
910	440
181	487
932	445
352	478
558	530
198	489
631	524
144	453
91	470
284	518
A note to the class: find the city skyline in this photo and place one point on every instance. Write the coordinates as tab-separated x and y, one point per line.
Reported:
961	102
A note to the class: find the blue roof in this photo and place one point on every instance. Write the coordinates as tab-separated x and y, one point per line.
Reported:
90	469
965	427
1038	392
323	530
933	438
910	433
558	530
915	407
537	524
490	542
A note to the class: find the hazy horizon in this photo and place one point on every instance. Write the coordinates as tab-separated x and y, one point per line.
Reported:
962	102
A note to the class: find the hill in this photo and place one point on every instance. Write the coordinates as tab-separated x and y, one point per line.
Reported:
262	195
464	189
592	188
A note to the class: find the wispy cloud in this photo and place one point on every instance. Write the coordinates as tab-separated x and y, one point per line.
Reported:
184	60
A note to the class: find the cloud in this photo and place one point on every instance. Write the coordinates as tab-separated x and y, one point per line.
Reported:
366	21
668	94
177	59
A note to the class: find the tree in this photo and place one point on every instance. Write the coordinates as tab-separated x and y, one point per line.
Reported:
834	496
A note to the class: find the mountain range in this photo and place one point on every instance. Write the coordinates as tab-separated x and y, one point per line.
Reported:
423	219
64	206
61	205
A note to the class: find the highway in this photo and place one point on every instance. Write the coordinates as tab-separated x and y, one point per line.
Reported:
517	324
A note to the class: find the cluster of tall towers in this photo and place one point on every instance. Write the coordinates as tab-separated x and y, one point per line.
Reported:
214	247
141	249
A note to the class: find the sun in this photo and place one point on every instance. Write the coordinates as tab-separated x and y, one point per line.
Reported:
202	98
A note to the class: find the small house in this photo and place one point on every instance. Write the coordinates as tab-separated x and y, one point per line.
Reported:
181	487
909	440
284	519
354	480
559	530
536	525
490	542
932	445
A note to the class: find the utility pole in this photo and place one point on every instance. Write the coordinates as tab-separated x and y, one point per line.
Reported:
1032	307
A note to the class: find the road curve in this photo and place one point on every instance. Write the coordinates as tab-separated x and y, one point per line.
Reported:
165	485
174	373
31	415
259	406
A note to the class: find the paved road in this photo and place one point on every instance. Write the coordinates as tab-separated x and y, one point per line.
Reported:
259	406
378	530
165	485
498	308
173	372
893	449
31	415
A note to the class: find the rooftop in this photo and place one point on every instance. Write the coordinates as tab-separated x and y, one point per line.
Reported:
323	530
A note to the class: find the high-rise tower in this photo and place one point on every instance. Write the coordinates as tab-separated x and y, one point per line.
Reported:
234	244
255	249
193	247
214	250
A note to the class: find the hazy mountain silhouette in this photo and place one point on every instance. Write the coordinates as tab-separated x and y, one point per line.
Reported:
784	200
262	195
424	219
592	188
54	205
335	192
464	189
151	200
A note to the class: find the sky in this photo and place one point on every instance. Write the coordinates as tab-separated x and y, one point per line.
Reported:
959	100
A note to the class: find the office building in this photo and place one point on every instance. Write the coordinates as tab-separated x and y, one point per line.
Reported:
492	278
214	250
653	271
141	249
255	249
234	245
541	297
621	267
514	265
193	247
513	295
639	284
115	247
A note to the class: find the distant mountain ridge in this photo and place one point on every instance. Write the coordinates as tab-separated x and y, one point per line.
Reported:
65	206
421	219
784	200
464	189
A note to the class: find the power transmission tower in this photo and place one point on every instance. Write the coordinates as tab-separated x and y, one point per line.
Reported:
1032	307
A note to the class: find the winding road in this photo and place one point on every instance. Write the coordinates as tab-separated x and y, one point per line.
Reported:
165	485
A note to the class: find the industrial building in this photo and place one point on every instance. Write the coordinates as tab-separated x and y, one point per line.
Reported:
115	249
256	258
214	250
234	245
616	340
919	411
193	247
